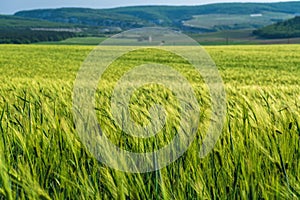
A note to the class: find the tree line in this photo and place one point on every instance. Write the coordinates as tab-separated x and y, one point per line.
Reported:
286	29
27	36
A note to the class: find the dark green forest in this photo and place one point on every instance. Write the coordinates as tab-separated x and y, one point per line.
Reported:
286	29
27	36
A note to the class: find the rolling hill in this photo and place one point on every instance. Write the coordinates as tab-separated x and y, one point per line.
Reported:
20	30
202	18
8	21
234	21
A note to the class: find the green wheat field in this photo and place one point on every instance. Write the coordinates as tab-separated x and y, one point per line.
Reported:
256	157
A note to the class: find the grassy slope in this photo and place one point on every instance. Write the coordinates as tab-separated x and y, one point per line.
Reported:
78	41
236	21
236	37
217	38
7	21
256	157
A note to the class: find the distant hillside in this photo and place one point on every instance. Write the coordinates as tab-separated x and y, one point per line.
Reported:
84	16
58	24
187	18
20	30
8	21
286	29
